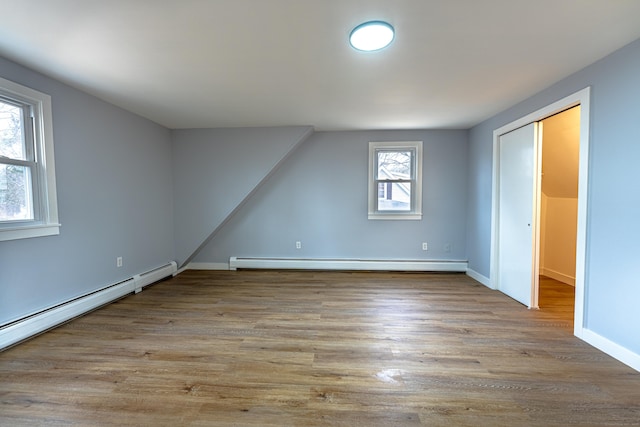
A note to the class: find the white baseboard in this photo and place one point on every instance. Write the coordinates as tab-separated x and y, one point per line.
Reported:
206	266
479	277
347	264
560	277
152	276
614	350
28	327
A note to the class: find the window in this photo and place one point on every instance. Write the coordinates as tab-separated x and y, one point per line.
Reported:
395	180
28	206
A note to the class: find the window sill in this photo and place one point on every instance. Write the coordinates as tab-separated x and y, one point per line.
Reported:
29	231
396	216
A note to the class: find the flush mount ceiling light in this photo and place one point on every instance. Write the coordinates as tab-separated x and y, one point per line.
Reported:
372	35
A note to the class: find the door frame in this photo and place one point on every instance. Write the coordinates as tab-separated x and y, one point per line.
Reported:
581	98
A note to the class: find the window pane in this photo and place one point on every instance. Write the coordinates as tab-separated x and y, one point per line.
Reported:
15	193
11	132
394	196
394	164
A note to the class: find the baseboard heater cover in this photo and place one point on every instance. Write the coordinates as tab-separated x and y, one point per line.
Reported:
152	276
347	264
35	324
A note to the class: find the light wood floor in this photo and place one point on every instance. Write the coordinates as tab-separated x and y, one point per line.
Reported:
258	348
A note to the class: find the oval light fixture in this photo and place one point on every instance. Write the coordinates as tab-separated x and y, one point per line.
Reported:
372	35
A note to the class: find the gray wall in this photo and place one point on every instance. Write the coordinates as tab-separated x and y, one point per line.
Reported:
114	199
319	197
611	285
215	170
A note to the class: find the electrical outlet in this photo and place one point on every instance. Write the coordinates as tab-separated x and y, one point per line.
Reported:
119	262
298	245
425	247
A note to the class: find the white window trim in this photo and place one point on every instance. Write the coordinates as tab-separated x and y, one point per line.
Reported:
47	224
416	212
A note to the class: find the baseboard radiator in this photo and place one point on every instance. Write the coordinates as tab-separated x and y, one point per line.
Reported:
37	323
347	264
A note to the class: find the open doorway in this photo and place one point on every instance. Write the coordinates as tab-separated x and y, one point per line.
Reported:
559	212
520	139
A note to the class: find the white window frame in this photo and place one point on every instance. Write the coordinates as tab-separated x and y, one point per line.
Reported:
44	195
415	213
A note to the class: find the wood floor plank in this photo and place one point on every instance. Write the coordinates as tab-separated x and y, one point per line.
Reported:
294	348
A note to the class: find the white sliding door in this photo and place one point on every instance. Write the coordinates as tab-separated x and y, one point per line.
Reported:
518	212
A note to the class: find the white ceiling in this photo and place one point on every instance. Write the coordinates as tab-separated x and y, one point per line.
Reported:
242	63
